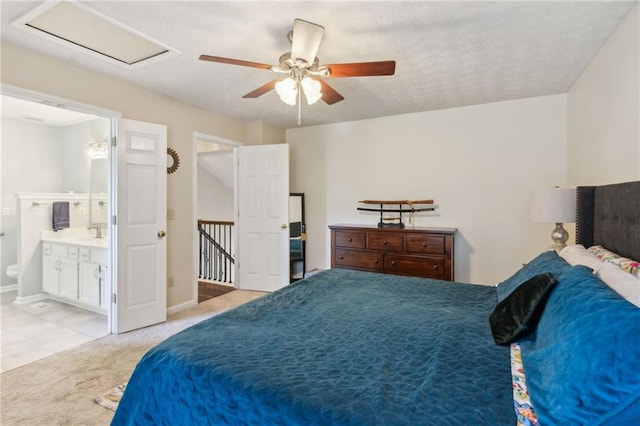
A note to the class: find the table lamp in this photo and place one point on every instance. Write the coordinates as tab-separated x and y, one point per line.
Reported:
557	205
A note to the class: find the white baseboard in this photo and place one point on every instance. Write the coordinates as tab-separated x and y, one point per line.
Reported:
30	299
6	288
180	307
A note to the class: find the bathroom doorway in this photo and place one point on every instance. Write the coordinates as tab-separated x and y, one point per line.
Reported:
52	154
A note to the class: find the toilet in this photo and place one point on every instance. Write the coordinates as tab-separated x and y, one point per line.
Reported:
12	271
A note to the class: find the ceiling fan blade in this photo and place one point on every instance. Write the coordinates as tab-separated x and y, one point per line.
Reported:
329	94
362	69
306	40
262	89
234	62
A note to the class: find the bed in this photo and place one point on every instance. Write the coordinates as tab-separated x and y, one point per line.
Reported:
346	347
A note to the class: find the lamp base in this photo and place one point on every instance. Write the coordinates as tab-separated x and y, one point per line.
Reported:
559	237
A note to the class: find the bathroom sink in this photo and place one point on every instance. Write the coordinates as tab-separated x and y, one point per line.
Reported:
77	236
88	240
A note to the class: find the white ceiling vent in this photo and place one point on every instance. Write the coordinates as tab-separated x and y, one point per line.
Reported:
84	29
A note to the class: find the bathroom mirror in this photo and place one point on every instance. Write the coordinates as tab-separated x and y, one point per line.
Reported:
297	237
99	189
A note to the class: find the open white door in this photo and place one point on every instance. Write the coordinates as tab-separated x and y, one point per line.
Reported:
141	276
263	217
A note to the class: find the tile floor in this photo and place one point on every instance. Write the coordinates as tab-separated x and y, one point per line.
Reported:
33	331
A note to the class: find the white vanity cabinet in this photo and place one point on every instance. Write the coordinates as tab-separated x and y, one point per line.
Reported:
60	270
76	274
94	277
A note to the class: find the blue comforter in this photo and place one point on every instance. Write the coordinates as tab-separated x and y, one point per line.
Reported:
338	348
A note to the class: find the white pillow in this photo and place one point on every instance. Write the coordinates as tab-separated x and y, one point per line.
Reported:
578	255
624	283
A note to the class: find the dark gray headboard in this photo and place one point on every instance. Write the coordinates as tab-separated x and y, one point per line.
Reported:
609	216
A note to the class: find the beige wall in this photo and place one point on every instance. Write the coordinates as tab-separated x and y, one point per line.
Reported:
478	163
33	71
603	112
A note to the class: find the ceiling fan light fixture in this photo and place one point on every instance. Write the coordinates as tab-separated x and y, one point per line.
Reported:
287	89
312	90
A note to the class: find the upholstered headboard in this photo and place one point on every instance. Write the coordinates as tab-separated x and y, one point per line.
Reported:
609	216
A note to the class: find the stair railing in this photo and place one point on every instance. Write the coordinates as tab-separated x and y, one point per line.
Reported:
216	246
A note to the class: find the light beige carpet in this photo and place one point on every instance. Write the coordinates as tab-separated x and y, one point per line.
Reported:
59	390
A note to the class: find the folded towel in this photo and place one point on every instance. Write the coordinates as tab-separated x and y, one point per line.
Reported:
60	215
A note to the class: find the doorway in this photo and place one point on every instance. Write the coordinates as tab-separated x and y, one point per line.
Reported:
214	188
261	212
52	154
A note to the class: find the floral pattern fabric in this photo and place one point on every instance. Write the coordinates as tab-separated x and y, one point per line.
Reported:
525	414
626	264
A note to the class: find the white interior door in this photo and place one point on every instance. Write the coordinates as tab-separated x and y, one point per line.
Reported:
139	232
263	217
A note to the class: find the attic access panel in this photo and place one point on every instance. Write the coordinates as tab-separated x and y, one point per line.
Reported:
84	29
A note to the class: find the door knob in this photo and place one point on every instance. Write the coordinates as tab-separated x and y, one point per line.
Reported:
283	226
161	234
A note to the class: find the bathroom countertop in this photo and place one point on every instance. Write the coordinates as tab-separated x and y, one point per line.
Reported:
75	236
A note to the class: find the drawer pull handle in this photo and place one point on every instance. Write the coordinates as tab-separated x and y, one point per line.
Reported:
385	242
393	262
424	244
350	239
435	267
376	261
340	257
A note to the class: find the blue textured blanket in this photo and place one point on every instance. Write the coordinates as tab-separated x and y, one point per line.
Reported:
338	348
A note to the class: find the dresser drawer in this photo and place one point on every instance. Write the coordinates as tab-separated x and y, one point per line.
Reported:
351	239
359	259
424	244
384	241
417	266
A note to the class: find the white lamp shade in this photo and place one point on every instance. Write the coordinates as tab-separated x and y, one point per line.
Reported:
556	205
287	89
312	90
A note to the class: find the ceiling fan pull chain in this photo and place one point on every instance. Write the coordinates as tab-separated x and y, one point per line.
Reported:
299	106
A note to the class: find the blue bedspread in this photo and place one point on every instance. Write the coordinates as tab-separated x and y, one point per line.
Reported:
338	348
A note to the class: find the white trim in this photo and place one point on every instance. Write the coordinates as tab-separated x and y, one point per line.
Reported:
182	306
194	188
214	139
30	299
30	95
8	288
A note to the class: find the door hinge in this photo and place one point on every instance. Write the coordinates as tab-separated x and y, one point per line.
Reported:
113	141
113	220
113	298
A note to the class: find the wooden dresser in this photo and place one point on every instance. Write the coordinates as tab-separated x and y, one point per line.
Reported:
418	252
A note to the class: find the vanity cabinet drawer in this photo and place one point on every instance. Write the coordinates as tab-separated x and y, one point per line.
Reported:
427	244
415	266
350	239
359	259
73	253
384	241
60	250
85	254
99	256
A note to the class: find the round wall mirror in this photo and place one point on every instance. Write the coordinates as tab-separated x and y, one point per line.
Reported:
173	160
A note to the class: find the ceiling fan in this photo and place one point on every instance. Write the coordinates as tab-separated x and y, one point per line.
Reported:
302	70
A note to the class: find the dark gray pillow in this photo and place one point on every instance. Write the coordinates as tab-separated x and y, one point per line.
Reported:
518	314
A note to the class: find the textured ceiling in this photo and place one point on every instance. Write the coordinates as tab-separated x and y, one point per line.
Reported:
448	54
